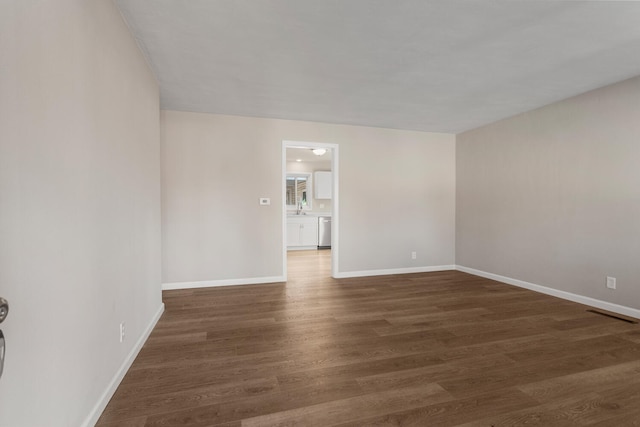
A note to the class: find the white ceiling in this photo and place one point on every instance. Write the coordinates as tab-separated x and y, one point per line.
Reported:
307	156
430	65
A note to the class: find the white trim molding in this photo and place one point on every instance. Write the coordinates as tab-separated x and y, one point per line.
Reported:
604	305
97	410
227	282
389	271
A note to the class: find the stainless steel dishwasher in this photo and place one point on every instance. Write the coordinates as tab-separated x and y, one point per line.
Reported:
324	232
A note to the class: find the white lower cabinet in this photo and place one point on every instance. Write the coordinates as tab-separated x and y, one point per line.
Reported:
302	232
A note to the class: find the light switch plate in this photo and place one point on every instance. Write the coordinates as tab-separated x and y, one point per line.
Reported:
265	201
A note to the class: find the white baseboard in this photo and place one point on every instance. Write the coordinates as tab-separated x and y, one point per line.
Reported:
229	282
604	305
277	279
385	272
95	413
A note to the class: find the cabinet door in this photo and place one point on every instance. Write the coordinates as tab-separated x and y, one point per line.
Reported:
309	233
293	234
322	181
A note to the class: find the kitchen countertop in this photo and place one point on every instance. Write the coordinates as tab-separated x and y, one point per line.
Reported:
311	214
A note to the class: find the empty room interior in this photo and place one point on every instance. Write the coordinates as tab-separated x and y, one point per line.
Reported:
319	213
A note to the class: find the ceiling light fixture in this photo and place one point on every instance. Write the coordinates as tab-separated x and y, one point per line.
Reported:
319	151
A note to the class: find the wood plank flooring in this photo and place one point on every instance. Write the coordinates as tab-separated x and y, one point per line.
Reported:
432	349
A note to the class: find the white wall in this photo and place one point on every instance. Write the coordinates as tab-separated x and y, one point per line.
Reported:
552	197
79	205
397	195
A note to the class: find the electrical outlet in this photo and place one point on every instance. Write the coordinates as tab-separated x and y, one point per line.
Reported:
264	201
122	332
611	282
414	255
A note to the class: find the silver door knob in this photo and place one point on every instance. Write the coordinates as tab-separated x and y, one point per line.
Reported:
4	309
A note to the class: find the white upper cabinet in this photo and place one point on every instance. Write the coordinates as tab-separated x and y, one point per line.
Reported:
322	180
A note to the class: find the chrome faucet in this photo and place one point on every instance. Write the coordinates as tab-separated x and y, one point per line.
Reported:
299	210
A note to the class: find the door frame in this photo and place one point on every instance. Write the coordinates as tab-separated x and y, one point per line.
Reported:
335	239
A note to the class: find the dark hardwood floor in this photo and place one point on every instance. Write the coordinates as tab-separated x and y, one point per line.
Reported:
432	349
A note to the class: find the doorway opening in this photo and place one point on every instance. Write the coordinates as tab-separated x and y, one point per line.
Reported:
310	221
